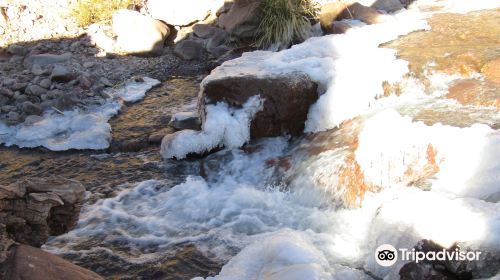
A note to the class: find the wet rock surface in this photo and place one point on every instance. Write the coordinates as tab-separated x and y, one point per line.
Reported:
26	262
33	209
287	100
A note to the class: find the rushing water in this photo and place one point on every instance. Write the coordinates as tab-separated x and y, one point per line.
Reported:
417	165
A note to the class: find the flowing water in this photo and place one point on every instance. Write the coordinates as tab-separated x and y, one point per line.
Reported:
422	163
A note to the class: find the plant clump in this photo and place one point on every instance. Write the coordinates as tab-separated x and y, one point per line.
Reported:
87	12
285	22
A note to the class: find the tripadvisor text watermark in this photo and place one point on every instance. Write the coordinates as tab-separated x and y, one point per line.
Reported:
387	255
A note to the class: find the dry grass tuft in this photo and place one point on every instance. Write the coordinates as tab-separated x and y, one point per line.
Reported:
87	12
285	22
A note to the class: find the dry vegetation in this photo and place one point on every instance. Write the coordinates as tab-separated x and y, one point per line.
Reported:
285	22
87	12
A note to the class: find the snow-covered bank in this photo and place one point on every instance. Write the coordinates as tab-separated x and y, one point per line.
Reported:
76	129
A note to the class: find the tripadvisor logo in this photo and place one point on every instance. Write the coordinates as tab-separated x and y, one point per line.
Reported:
387	255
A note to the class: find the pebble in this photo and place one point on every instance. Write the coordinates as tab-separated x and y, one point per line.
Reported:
45	83
31	109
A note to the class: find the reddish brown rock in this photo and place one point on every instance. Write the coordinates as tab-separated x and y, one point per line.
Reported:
26	262
336	11
491	71
287	100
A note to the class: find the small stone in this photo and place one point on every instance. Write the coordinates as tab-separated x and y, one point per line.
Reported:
88	64
106	82
7	108
35	90
62	74
31	109
45	83
18	86
20	98
6	92
13	117
17	50
37	70
84	82
45	59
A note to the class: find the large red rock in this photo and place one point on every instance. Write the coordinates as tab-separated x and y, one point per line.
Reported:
287	100
26	262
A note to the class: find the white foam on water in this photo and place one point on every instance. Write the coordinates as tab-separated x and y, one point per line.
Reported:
78	128
224	126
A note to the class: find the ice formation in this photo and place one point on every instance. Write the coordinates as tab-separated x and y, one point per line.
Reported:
78	128
224	126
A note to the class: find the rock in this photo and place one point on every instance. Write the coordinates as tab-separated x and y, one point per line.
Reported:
35	90
84	82
106	82
32	119
138	34
337	27
45	59
31	109
220	37
220	51
7	108
26	262
100	39
204	31
180	12
18	86
45	83
336	11
17	50
13	118
36	208
6	92
365	14
88	64
491	71
66	102
329	13
243	19
185	120
224	8
189	49
61	74
287	100
37	70
386	5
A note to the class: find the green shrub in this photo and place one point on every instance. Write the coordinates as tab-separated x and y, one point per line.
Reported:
87	12
285	22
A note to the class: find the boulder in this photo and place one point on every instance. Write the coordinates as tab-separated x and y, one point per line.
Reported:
287	98
180	12
190	49
26	262
35	208
242	19
139	34
45	59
